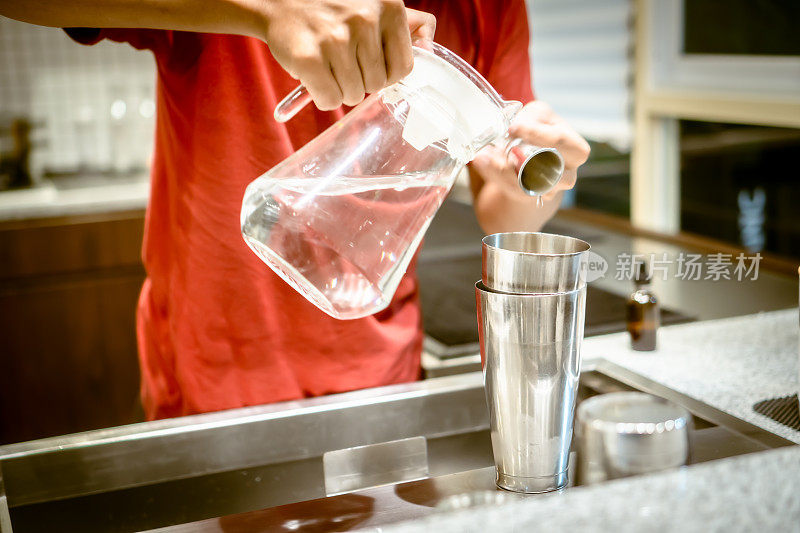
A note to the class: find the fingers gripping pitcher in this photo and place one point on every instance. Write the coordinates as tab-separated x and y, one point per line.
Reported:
340	219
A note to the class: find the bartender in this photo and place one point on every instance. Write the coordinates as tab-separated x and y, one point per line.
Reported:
216	328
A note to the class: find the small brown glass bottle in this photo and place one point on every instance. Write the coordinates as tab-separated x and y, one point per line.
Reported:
644	315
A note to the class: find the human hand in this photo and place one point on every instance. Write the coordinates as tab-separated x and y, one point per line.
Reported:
537	124
342	49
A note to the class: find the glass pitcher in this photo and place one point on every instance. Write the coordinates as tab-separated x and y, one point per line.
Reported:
341	218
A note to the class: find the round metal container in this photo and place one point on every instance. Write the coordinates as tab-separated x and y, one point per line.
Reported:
530	344
538	169
627	433
534	263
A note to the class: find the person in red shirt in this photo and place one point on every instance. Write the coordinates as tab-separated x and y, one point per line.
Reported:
217	329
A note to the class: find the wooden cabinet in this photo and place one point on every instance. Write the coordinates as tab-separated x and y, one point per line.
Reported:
68	293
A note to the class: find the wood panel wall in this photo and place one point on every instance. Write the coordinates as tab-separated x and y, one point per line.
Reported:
68	293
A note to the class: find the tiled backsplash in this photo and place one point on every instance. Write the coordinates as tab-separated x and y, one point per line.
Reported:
92	106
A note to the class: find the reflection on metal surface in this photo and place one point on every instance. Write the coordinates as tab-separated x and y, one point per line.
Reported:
531	345
362	467
218	442
526	262
468	500
372	508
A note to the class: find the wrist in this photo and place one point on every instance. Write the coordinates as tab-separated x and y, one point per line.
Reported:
247	17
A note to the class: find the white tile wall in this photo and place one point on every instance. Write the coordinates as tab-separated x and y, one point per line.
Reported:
69	90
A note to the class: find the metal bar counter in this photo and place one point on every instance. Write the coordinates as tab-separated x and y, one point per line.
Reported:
269	458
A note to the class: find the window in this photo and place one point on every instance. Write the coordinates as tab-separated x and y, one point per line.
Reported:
741	27
740	184
720	45
732	64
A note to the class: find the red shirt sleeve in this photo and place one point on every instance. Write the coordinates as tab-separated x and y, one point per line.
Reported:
507	40
140	39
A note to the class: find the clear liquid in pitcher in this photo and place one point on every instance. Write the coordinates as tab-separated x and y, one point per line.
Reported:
344	242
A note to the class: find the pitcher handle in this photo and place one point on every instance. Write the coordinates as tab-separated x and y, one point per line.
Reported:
299	98
292	104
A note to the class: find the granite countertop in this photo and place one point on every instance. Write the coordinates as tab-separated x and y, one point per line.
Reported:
729	364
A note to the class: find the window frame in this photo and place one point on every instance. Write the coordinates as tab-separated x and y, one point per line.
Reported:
718	72
670	86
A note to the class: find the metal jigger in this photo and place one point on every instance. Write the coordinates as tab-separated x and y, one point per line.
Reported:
538	169
531	304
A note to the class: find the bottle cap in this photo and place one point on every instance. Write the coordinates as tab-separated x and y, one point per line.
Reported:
642	274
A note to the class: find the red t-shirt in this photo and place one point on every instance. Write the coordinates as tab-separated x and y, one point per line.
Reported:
217	328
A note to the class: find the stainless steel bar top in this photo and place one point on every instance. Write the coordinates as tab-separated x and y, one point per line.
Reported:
228	440
368	508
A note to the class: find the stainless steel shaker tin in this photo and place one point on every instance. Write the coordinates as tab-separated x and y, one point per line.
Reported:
531	262
626	433
530	344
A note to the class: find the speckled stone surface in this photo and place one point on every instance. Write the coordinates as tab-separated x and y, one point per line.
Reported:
729	364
